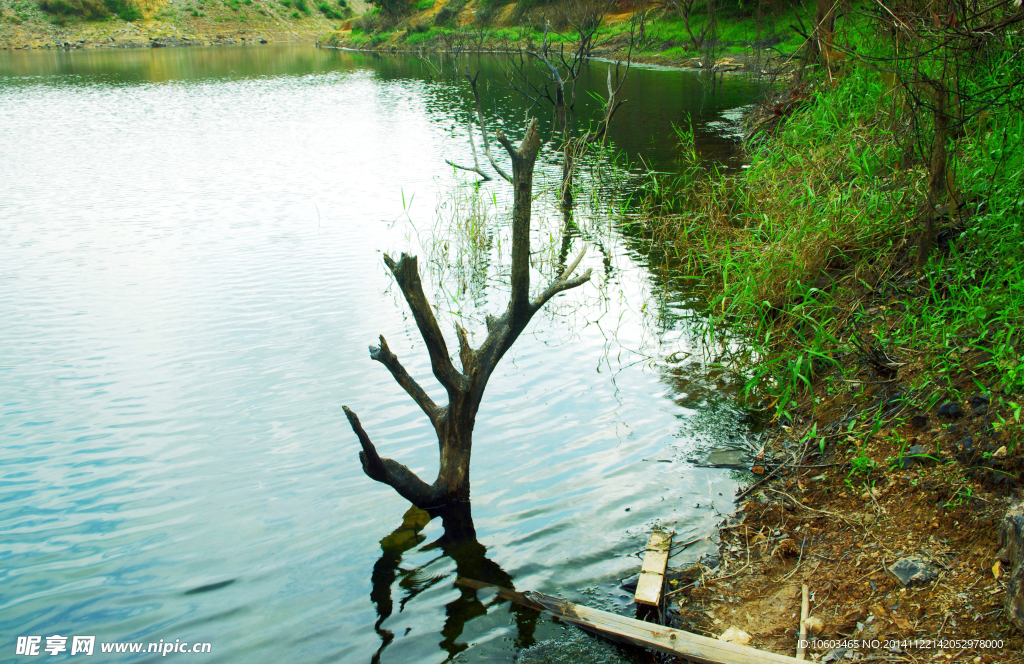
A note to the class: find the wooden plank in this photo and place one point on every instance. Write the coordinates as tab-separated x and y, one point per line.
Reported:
648	589
694	647
652	572
805	609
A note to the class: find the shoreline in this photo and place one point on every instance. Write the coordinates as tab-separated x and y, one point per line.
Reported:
822	520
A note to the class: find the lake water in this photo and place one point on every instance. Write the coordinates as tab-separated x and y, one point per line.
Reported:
190	274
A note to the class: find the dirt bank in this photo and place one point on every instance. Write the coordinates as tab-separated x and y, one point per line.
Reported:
855	498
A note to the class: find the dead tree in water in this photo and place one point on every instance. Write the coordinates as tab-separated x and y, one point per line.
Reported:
454	422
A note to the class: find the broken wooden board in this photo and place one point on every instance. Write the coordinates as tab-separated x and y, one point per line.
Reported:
652	573
694	647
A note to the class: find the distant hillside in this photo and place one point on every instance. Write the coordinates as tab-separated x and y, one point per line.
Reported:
139	23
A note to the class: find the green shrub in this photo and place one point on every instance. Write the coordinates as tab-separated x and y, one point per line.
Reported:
367	23
449	11
87	9
331	12
125	9
392	7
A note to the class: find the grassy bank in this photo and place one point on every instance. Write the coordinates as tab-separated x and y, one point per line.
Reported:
870	257
813	248
459	26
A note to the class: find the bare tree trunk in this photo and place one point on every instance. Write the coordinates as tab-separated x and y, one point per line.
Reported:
937	175
825	27
454	422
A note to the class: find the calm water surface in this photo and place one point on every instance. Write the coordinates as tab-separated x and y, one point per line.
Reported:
190	262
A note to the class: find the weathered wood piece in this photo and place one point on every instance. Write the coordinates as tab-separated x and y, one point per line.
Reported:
652	573
1011	539
805	610
694	647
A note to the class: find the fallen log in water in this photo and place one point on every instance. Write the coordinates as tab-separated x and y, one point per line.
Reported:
694	647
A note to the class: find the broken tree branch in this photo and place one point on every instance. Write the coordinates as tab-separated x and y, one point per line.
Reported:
389	471
563	282
408	277
384	355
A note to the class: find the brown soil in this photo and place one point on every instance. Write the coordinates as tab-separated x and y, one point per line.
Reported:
838	519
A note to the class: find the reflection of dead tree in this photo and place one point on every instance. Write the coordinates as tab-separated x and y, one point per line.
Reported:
559	72
470	558
483	134
556	86
454	422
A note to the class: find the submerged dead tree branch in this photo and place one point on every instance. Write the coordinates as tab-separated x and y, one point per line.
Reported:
454	422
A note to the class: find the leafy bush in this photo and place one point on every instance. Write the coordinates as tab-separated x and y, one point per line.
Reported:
488	9
449	11
418	27
125	9
392	7
331	12
87	9
91	10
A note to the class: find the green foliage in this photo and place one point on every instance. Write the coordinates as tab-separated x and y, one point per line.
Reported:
87	9
828	192
392	7
126	10
91	10
423	5
448	12
330	12
417	29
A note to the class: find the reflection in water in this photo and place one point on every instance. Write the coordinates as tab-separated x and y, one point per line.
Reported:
183	321
459	543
